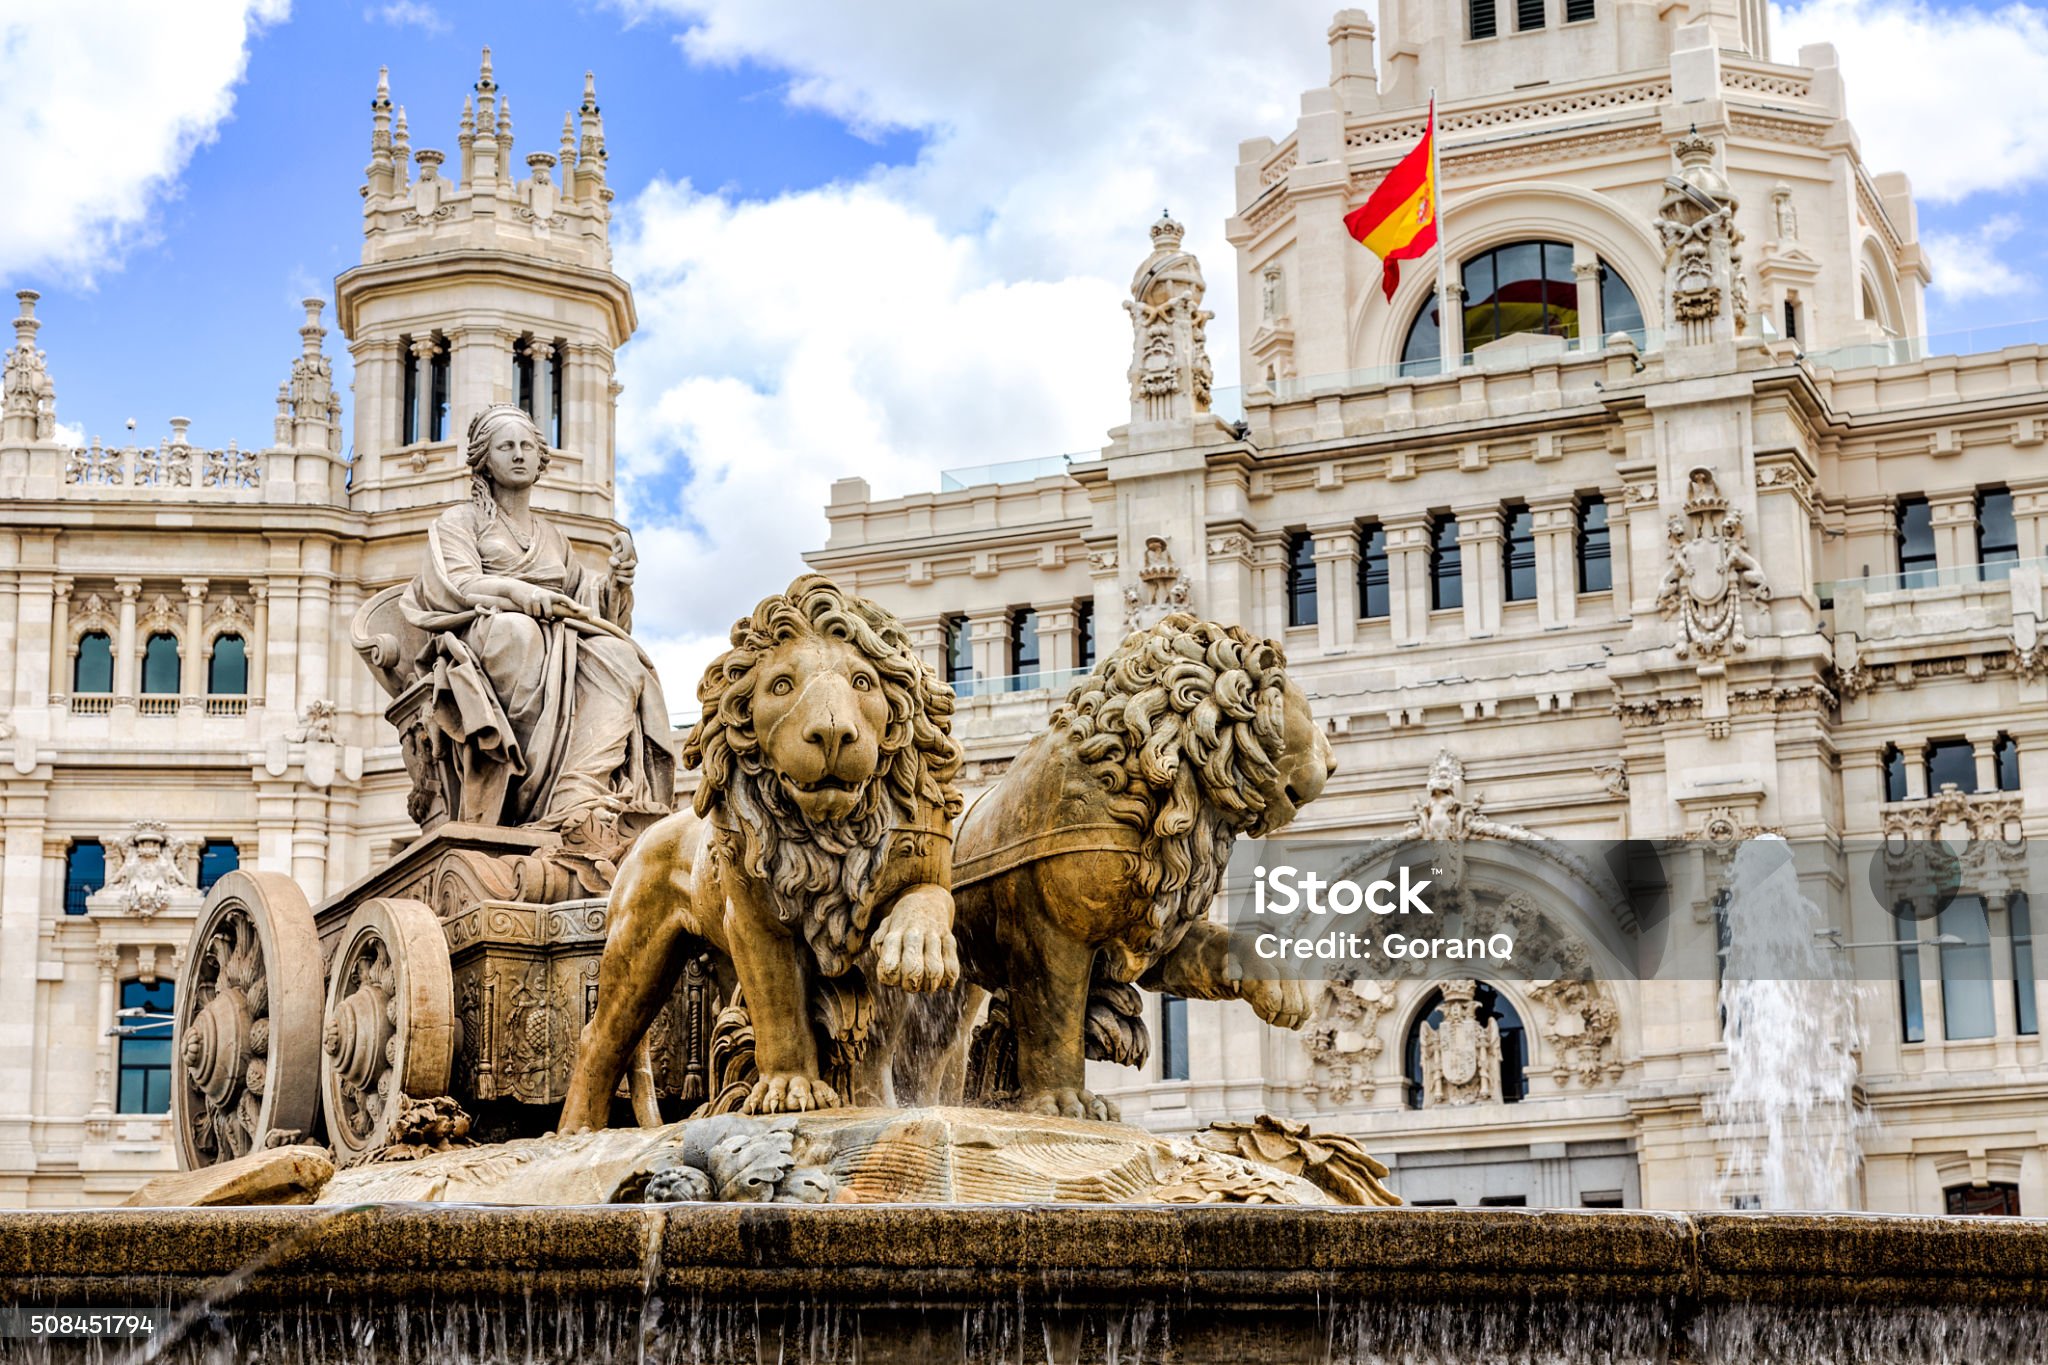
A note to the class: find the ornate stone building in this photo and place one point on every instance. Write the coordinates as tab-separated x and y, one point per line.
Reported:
178	693
1693	540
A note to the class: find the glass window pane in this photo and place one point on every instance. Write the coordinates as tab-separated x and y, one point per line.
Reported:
1997	539
959	651
2020	924
1619	311
2008	752
1421	352
227	672
1372	572
1912	1015
1084	626
1519	564
1596	553
1966	971
85	871
1024	643
1915	543
1446	571
1301	580
1173	1038
145	1066
1894	774
1478	274
1951	761
1560	291
160	665
1519	288
93	672
217	858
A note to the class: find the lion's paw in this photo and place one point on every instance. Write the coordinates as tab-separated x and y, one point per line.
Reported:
1281	1002
914	948
1071	1104
788	1092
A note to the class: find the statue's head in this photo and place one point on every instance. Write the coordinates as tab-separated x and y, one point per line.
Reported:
505	447
823	706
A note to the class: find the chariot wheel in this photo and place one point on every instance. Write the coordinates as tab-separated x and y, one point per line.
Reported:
390	1026
245	1041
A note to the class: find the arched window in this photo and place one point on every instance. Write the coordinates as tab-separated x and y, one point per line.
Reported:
1517	288
146	1047
1514	1043
93	671
160	664
1301	579
227	671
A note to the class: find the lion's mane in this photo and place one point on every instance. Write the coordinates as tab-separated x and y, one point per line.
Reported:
1182	725
818	875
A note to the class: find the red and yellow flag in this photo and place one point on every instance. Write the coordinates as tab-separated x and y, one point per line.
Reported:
1398	223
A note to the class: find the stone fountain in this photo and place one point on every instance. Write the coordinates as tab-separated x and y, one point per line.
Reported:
797	1072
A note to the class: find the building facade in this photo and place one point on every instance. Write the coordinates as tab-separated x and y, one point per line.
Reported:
1693	539
179	695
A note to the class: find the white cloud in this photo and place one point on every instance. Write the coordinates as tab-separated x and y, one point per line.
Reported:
958	311
1957	97
101	106
1966	264
400	13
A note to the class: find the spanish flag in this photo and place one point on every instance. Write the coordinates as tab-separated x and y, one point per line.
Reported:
1398	223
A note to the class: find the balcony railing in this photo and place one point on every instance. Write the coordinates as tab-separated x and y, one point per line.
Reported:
92	703
1044	680
1944	576
227	706
1906	350
156	705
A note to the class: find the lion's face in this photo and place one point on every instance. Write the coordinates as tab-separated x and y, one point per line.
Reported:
819	710
1302	765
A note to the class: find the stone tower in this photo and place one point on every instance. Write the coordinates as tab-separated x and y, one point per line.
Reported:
483	284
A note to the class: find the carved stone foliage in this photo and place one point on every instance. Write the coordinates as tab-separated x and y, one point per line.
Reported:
1170	371
1342	1038
27	393
1460	1056
1710	576
1613	775
1163	587
1702	246
1984	815
150	866
1579	1024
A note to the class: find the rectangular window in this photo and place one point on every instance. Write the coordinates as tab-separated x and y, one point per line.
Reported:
522	374
1173	1038
1894	773
959	654
1791	320
1084	632
1024	647
2020	926
1998	543
1912	1017
2008	752
555	367
1484	22
1966	971
1504	1201
1916	543
1595	547
437	395
1446	573
1372	572
85	871
1951	761
410	365
1577	11
1301	579
217	858
1999	1199
1518	566
145	1082
1528	15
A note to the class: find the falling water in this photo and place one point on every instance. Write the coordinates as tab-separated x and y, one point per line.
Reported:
1787	1115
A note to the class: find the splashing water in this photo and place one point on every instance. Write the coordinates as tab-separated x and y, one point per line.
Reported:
1787	1114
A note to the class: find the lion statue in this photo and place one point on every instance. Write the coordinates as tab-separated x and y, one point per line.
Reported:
1092	863
815	858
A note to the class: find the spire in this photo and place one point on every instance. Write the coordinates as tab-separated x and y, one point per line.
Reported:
590	151
465	135
380	169
312	334
567	159
27	324
401	148
505	132
28	398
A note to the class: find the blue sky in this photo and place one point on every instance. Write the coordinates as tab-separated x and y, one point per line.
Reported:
881	238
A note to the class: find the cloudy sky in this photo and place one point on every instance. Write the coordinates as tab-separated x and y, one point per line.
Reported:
883	238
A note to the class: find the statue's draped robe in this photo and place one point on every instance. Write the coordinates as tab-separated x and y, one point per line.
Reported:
553	718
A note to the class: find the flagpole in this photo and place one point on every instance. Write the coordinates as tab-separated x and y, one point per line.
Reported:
1445	360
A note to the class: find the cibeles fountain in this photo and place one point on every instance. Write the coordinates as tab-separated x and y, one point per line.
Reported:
797	1072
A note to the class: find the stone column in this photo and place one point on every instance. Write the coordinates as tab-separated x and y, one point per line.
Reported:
424	349
1056	639
193	656
1408	577
1586	274
1954	518
60	637
542	354
1479	557
1336	552
125	662
928	638
1984	748
259	641
1555	520
282	640
23	808
990	634
1451	320
108	956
